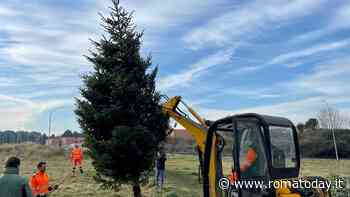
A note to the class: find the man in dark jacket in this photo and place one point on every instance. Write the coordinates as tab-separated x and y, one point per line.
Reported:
11	184
161	158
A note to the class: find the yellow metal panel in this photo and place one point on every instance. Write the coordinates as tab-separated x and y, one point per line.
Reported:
198	132
212	170
284	191
289	195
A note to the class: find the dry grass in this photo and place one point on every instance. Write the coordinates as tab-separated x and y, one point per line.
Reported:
181	179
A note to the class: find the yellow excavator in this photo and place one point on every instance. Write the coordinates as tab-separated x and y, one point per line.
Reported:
273	140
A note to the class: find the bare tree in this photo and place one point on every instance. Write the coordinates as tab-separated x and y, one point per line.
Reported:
347	117
331	119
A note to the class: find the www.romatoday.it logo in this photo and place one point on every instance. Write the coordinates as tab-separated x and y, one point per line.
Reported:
226	184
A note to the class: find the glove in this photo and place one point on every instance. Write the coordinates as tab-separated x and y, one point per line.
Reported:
51	188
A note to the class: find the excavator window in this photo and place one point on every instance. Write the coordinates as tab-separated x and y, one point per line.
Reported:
282	147
252	159
224	153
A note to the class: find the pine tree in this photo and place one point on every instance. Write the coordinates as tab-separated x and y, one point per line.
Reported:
120	111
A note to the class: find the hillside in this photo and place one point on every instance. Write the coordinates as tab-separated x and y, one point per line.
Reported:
319	143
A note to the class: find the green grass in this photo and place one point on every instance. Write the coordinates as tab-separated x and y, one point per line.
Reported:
181	174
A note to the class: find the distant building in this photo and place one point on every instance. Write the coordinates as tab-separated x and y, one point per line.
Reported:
74	138
67	139
180	141
54	141
180	134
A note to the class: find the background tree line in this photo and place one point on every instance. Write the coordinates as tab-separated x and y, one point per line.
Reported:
328	118
16	137
327	135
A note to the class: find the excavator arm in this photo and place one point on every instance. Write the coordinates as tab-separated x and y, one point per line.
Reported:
198	130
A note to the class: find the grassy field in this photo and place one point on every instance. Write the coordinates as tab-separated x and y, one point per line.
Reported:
182	179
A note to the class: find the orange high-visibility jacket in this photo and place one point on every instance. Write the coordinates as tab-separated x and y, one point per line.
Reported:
249	160
233	176
39	183
76	154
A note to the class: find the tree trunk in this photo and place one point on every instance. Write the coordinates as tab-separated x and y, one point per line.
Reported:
137	190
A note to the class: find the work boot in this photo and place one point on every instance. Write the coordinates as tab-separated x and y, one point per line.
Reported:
73	172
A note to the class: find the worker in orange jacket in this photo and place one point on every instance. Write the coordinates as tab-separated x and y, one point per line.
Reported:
39	182
250	160
76	157
249	163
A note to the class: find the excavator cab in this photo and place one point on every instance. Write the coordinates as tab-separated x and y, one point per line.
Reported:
264	149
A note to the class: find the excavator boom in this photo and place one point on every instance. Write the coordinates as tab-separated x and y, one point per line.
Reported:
197	130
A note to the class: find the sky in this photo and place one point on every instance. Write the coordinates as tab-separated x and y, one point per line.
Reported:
278	57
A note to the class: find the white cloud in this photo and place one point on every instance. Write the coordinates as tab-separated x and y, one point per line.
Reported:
45	43
247	20
295	58
195	70
245	69
297	111
338	20
50	49
341	18
7	82
5	98
39	39
250	93
329	80
41	51
309	36
162	16
309	51
67	92
294	64
5	11
35	55
164	13
18	113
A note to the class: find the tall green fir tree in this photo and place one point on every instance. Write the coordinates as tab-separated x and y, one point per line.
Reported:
119	109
